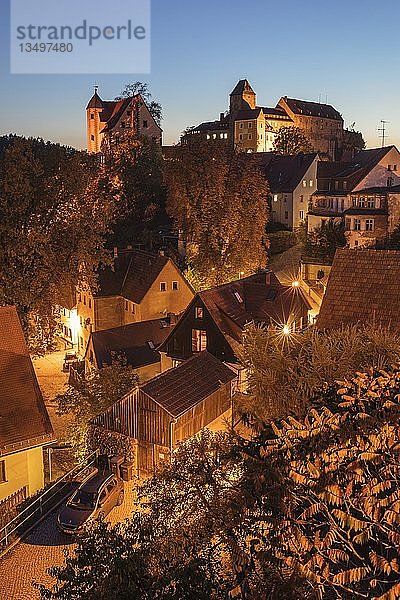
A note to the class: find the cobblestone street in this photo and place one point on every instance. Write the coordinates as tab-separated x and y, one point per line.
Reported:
40	550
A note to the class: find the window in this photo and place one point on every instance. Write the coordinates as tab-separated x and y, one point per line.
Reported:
123	124
250	136
145	124
199	340
369	225
238	297
390	182
389	167
240	136
3	477
394	167
133	308
370	202
304	183
84	300
301	198
92	115
250	125
126	305
81	342
90	303
91	356
275	197
286	215
199	312
311	182
348	224
301	215
92	137
175	286
151	345
241	125
163	286
357	225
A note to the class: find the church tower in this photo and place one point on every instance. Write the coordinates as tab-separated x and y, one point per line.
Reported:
94	124
243	97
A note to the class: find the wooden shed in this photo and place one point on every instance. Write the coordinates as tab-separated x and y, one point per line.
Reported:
171	408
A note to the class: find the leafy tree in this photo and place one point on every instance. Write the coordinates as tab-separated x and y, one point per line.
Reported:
51	229
308	509
133	177
218	198
322	242
286	373
133	89
92	395
292	141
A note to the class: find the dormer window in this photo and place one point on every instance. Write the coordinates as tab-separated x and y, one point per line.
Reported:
198	312
238	297
151	345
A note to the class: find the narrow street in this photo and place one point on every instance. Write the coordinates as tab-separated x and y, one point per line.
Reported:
43	548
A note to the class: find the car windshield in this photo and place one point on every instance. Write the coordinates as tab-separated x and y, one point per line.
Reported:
83	500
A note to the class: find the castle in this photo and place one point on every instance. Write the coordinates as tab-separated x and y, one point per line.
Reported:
108	122
253	128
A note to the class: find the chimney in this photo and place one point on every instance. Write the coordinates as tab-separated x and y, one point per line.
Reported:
221	116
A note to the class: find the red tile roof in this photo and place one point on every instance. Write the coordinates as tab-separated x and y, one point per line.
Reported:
363	287
183	387
24	421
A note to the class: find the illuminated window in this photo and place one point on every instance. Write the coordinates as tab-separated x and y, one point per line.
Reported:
275	197
301	214
370	202
357	225
311	182
369	225
304	183
198	312
163	286
199	340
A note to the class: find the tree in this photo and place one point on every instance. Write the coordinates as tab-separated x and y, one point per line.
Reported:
353	142
218	199
321	243
51	229
292	141
307	509
142	89
133	178
287	372
92	395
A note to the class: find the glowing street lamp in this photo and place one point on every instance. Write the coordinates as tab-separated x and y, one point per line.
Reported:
286	330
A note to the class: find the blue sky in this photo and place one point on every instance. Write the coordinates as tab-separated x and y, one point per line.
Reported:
346	50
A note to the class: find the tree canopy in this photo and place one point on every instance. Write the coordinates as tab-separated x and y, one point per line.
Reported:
291	141
52	225
309	508
133	89
321	243
218	199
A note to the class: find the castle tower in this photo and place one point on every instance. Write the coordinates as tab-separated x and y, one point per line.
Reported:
94	125
243	97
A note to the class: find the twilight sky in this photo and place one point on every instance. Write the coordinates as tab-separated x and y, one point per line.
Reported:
346	50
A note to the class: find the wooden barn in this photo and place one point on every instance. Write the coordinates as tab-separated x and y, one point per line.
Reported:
170	408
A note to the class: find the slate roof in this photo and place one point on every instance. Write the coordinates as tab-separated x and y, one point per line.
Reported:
363	287
312	109
183	387
24	422
132	275
352	171
95	102
132	341
278	111
249	114
212	125
394	189
242	86
284	173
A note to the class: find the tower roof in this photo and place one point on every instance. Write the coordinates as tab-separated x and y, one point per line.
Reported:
95	101
242	86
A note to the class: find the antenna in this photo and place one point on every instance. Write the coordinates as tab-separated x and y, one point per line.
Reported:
383	130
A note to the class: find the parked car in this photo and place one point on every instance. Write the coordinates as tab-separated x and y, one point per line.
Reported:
69	358
95	497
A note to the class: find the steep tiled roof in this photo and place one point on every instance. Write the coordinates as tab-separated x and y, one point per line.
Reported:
247	115
132	275
312	109
179	389
353	172
212	125
284	173
363	287
260	298
95	102
131	340
24	421
113	112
